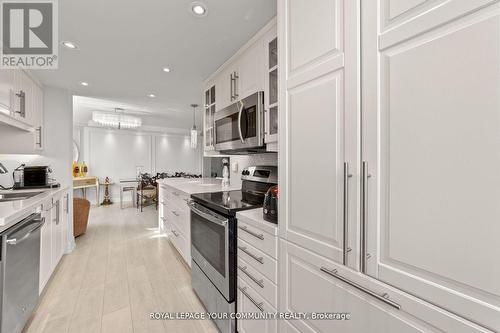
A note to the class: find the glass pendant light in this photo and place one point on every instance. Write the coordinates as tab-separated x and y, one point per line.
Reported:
194	132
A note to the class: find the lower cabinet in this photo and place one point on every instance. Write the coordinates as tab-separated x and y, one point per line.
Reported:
249	301
306	288
174	220
54	235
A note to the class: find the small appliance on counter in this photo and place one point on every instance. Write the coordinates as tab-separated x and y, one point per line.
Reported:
33	177
270	207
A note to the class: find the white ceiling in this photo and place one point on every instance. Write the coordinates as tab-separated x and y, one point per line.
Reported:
124	44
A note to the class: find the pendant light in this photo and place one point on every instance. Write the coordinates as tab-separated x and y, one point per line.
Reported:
194	132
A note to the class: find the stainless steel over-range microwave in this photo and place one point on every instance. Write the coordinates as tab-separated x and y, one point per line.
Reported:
240	126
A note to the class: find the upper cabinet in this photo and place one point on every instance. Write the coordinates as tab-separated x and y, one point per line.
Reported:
208	118
21	113
252	69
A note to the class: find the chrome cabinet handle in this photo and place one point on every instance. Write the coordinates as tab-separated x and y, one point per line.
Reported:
245	229
176	234
260	282
235	77
347	175
22	103
175	213
258	305
384	298
231	80
258	259
39	130
364	216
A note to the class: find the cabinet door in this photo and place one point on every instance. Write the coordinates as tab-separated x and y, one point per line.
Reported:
45	249
250	76
38	117
27	86
271	86
431	143
56	234
247	300
224	87
306	289
6	90
314	81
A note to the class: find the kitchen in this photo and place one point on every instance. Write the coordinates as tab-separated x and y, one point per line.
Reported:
320	159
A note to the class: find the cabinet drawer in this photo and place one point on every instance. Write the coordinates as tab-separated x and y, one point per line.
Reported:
246	299
259	260
181	244
258	238
261	284
179	219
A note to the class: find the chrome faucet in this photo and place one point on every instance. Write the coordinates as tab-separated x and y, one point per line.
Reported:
3	169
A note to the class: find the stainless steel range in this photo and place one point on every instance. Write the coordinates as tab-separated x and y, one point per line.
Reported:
213	240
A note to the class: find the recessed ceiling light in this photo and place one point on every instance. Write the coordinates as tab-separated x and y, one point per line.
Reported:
69	45
85	84
151	95
166	69
198	8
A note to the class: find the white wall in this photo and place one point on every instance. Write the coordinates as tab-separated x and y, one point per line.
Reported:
117	154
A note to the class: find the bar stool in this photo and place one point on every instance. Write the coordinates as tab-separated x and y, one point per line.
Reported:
128	188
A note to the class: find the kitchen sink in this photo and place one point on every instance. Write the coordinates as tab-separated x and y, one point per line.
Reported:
17	196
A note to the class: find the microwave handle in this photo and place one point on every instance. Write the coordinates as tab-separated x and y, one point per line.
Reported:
239	121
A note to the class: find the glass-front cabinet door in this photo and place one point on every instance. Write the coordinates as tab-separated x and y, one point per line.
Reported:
208	125
271	97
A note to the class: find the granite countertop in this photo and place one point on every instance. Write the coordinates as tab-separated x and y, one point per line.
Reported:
12	212
196	185
255	217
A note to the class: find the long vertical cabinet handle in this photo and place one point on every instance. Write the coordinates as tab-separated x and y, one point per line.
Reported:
236	92
364	216
231	86
346	209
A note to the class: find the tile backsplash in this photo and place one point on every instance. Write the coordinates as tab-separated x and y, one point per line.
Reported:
244	161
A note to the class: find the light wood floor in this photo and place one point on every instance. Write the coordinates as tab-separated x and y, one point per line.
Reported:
120	272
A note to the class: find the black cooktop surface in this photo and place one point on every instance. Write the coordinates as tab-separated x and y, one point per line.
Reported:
229	202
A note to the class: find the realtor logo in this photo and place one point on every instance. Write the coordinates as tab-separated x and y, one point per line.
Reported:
29	34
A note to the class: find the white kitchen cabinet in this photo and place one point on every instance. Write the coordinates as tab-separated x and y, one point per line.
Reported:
249	67
53	235
225	86
6	90
315	137
306	288
175	220
271	89
249	301
431	134
38	114
208	118
45	247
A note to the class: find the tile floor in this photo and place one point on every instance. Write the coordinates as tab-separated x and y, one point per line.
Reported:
120	271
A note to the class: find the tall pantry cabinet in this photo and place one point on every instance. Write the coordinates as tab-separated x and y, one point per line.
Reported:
389	159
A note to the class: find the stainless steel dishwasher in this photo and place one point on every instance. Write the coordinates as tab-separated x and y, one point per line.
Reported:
20	266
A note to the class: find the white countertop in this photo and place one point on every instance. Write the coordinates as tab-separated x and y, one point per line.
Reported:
12	212
255	217
196	185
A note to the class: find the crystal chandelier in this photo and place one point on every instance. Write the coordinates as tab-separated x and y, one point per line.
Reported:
116	119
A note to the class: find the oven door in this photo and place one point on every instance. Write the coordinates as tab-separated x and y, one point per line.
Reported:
240	126
210	246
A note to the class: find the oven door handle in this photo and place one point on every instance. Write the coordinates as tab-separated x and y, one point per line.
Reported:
207	216
240	111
